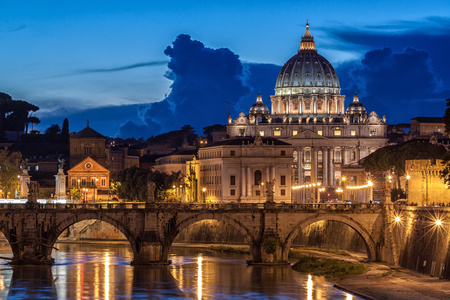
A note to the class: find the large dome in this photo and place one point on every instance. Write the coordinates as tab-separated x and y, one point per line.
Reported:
307	72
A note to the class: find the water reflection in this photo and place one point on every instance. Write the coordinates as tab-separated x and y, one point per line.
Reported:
32	282
199	277
104	272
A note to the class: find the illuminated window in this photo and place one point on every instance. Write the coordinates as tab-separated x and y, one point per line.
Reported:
319	132
319	156
353	132
36	168
261	133
337	132
294	132
277	133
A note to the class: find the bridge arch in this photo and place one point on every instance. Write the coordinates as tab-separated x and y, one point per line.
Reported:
225	218
72	219
359	229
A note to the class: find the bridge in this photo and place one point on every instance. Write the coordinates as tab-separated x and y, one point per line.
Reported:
269	228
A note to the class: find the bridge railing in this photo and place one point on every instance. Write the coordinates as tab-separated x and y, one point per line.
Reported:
200	206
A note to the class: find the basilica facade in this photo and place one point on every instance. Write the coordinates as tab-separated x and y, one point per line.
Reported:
308	112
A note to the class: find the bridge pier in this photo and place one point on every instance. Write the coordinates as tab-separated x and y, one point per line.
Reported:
268	252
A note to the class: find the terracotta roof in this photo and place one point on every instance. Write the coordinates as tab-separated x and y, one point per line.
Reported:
87	132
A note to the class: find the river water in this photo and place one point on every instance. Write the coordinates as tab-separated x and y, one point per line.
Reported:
103	271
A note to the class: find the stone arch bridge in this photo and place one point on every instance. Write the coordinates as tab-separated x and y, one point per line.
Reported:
151	228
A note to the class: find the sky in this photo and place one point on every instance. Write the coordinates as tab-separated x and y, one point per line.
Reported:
141	68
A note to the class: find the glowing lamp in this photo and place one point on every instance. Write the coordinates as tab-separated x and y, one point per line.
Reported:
438	222
397	219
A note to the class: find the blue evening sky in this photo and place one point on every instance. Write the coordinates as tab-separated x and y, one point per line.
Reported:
82	59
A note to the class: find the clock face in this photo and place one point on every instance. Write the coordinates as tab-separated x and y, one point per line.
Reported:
88	165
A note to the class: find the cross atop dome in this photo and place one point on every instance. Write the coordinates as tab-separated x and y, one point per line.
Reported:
307	42
355	97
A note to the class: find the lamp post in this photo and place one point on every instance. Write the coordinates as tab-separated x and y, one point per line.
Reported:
340	191
343	179
370	184
204	194
261	189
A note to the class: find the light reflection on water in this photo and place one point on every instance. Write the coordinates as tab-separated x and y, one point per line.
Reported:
102	271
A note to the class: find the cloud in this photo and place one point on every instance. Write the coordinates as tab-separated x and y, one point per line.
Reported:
204	79
123	68
403	72
396	84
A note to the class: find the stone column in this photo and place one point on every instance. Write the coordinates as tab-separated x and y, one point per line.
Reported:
243	186
268	174
300	165
60	181
249	182
316	164
24	181
331	180
325	166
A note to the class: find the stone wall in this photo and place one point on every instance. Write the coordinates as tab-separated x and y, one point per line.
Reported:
424	246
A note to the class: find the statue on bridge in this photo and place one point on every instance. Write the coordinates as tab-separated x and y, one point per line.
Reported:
33	191
151	186
270	190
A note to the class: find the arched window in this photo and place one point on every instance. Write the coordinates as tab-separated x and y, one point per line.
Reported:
258	177
307	156
338	156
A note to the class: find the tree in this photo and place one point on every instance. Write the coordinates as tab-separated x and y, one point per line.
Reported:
10	169
446	118
131	184
15	115
386	158
445	174
65	130
53	130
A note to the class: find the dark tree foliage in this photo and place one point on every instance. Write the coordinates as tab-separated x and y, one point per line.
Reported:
175	138
53	130
384	158
15	115
445	174
446	118
65	130
209	130
131	184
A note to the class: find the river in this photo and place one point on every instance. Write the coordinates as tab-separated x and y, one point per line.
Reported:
103	271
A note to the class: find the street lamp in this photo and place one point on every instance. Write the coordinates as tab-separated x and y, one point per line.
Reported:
204	194
340	191
261	188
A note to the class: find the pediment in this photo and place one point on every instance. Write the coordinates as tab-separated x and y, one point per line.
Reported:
308	134
88	165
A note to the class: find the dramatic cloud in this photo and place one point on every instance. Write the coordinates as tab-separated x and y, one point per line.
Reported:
405	72
204	79
401	85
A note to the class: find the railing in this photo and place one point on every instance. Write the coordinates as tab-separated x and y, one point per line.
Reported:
200	206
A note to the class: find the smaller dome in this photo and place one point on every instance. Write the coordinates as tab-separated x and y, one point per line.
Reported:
356	107
259	107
